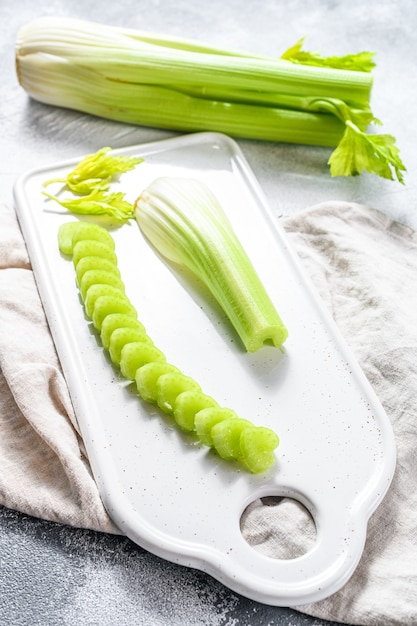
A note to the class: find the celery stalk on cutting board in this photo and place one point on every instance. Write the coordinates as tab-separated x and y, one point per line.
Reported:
184	221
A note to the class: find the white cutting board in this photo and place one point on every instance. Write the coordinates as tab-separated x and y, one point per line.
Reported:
167	493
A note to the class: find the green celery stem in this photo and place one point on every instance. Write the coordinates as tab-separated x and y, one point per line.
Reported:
184	222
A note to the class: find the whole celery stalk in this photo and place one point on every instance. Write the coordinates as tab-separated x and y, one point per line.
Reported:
146	79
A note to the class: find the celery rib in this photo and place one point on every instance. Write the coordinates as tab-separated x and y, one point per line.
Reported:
164	107
184	221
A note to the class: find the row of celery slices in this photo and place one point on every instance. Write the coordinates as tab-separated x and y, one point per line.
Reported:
184	221
131	349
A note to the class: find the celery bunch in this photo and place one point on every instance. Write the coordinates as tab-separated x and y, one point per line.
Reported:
139	78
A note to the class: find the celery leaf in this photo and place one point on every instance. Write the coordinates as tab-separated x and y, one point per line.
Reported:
358	151
98	202
359	62
96	171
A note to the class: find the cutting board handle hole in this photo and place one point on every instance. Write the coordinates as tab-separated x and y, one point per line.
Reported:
279	527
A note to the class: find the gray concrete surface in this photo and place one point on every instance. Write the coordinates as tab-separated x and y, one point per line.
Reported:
56	575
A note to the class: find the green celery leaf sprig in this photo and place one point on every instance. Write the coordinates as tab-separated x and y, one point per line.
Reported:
98	202
357	151
90	180
359	62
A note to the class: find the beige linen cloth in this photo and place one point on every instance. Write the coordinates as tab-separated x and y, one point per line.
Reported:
364	266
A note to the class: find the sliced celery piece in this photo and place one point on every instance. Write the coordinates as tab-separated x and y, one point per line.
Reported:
65	233
92	248
107	305
188	404
257	445
99	277
92	262
92	232
96	291
71	233
169	386
207	418
137	354
118	320
122	336
147	378
226	437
